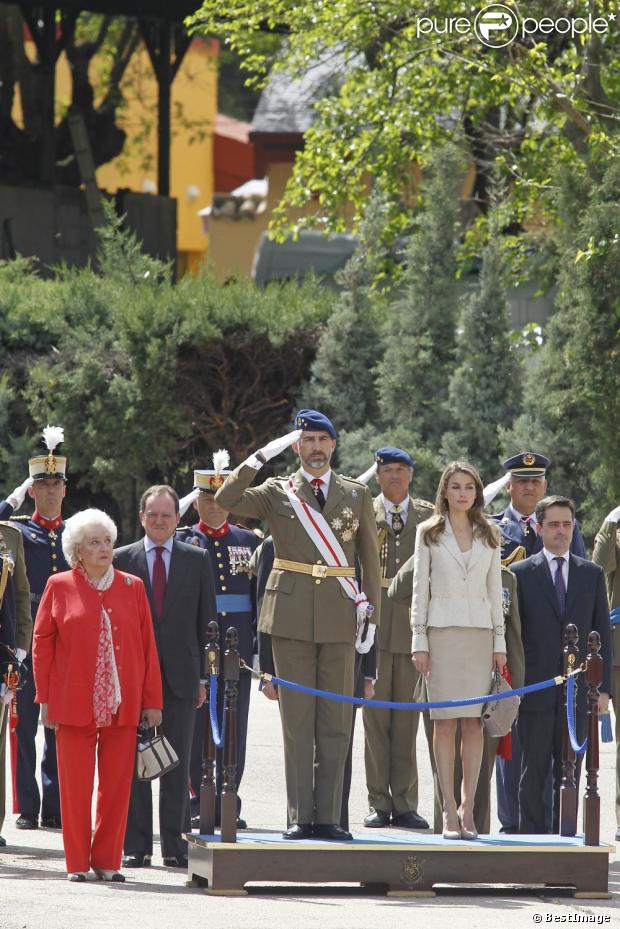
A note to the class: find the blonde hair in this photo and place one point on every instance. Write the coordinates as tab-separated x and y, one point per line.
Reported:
483	528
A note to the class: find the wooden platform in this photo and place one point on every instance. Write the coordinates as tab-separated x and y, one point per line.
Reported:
407	864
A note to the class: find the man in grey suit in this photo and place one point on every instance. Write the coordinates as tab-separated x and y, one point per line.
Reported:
179	584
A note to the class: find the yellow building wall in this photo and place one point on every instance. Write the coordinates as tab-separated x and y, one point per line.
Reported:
193	111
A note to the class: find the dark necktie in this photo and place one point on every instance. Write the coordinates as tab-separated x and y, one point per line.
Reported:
560	588
159	582
317	485
397	520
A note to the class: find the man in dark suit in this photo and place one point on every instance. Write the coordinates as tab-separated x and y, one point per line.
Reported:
179	584
526	486
554	587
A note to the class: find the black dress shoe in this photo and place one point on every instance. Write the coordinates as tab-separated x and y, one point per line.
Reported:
298	831
137	861
241	823
51	822
377	819
409	820
26	822
180	861
331	831
617	836
2	842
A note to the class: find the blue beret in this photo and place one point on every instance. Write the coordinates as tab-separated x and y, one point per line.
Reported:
314	421
527	464
389	454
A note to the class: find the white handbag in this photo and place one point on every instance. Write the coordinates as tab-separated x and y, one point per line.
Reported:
499	715
155	756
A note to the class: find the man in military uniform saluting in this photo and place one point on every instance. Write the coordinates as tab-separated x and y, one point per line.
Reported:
230	548
15	634
526	486
390	751
41	533
313	609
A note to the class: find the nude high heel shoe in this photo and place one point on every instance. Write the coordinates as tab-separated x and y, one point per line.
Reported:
468	834
447	832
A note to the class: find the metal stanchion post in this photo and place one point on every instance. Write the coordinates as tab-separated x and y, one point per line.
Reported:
229	772
592	801
207	784
568	785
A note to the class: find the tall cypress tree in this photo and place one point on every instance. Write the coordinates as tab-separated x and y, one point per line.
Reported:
485	386
342	381
571	405
419	333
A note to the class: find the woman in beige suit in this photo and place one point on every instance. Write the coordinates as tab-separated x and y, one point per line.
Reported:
458	629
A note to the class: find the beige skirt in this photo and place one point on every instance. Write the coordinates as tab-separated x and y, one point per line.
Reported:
460	659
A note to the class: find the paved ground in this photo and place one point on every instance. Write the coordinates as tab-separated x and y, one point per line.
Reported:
34	893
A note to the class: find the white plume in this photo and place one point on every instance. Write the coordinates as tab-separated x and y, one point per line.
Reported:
221	460
367	475
53	436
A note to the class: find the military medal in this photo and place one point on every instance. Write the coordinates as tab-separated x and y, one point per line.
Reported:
397	520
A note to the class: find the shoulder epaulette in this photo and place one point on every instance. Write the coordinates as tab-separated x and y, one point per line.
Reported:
7	525
508	570
20	518
423	503
184	529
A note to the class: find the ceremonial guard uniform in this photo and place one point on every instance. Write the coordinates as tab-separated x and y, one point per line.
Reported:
44	558
390	748
15	634
313	621
230	548
519	540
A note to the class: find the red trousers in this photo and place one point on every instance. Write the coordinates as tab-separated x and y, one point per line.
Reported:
114	748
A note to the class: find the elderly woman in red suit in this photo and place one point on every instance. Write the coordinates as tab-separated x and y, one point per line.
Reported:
458	629
97	675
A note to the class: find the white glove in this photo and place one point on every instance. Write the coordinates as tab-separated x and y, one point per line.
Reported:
363	647
17	497
186	502
614	516
21	654
269	451
491	491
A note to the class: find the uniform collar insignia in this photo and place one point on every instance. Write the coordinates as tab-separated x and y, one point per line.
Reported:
222	530
46	523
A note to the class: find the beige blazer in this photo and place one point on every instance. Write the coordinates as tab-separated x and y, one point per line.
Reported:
446	592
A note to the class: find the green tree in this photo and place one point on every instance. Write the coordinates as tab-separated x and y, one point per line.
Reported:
342	378
485	385
571	406
419	332
404	86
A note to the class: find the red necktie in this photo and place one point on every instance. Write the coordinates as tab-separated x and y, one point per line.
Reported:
317	490
159	582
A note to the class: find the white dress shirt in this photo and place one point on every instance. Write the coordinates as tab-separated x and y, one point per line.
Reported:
389	506
553	566
324	477
151	555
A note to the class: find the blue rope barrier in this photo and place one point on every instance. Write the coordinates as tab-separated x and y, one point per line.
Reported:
570	718
215	728
391	705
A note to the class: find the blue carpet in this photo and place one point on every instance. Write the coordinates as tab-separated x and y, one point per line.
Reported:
406	838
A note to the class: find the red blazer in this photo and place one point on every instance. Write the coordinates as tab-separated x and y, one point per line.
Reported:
64	651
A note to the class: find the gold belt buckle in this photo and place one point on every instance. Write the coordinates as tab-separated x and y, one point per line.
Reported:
319	570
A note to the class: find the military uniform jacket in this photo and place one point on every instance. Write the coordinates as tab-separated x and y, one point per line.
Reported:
607	555
15	616
518	544
43	551
298	606
235	590
394	634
